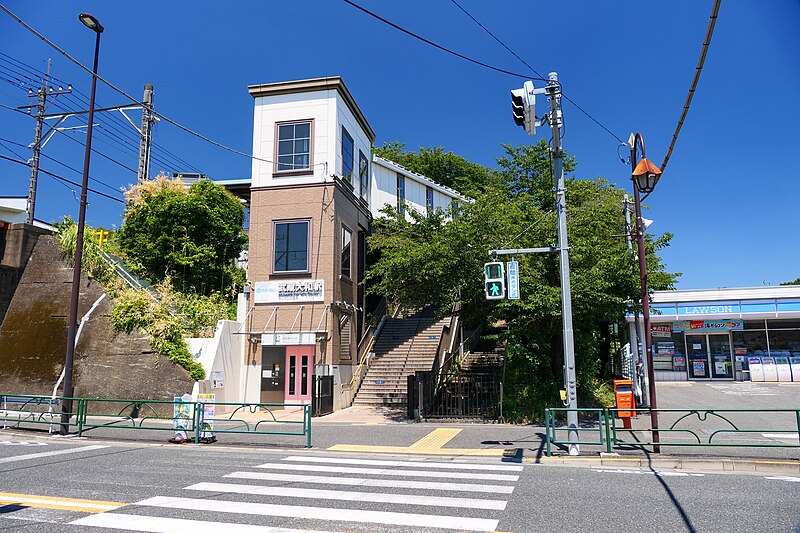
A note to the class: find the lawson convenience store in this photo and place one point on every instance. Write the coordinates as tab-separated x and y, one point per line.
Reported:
750	333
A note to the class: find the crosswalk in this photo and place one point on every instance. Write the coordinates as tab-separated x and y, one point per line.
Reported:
301	494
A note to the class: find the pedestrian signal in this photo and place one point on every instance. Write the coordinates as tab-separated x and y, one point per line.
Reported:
494	280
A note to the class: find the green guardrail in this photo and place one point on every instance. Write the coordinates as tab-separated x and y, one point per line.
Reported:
39	410
192	418
723	427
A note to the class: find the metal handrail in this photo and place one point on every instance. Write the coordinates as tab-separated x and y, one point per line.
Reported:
361	363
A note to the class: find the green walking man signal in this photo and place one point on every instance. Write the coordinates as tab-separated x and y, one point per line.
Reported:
494	280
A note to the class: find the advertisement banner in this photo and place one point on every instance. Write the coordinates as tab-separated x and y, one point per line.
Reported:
207	417
707	325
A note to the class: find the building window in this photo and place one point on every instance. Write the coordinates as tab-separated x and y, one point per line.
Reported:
401	194
291	247
454	209
347	238
347	156
429	200
294	146
363	173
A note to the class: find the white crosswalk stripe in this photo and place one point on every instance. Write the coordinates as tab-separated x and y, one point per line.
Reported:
297	488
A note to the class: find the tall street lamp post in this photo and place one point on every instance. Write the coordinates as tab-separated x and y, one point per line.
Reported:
645	175
90	22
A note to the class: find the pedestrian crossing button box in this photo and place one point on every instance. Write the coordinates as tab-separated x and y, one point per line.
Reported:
623	394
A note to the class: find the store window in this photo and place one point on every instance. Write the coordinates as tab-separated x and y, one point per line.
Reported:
784	338
291	246
294	146
668	349
363	173
347	156
749	342
347	238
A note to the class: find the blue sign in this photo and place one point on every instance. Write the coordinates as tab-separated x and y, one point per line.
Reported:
513	280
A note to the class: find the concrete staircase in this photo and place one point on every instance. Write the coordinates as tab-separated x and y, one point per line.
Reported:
404	346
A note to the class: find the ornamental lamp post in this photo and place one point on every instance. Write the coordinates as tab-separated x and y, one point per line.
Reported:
645	176
66	412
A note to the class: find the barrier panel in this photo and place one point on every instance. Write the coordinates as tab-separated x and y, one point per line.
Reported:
724	427
33	411
192	418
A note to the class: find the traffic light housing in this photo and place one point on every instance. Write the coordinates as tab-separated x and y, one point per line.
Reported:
523	106
494	277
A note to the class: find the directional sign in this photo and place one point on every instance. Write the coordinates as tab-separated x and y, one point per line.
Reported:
513	280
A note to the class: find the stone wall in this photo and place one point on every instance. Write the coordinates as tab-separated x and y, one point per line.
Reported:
17	242
33	339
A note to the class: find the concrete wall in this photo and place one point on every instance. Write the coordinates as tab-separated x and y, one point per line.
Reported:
34	333
16	246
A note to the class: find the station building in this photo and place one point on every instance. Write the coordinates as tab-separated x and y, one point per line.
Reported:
743	334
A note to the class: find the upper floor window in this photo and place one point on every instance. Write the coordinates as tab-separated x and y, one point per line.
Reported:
291	246
401	194
347	238
347	156
454	209
429	200
294	146
363	173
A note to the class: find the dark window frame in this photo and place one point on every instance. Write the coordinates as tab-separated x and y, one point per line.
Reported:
348	249
348	176
363	173
429	200
401	194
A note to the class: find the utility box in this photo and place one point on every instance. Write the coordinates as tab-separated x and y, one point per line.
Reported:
623	393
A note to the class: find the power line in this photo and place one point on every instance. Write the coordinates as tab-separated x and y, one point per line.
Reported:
62	179
567	98
440	47
131	98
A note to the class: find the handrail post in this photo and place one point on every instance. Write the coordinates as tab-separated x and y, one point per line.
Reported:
607	421
308	421
81	418
547	415
196	421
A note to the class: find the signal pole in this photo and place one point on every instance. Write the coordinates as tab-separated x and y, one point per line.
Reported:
145	137
36	147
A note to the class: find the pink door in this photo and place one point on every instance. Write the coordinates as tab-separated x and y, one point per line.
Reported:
299	367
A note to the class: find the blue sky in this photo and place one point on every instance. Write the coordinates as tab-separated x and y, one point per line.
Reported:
729	194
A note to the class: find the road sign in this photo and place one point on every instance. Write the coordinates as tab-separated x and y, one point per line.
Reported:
513	280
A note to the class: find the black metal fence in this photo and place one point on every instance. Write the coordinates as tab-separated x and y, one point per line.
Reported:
458	395
322	400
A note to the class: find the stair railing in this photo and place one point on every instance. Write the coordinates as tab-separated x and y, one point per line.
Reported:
365	350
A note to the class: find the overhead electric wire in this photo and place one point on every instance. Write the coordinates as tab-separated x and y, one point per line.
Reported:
131	98
63	179
567	98
712	21
435	45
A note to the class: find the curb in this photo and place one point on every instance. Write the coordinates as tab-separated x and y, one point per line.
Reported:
766	466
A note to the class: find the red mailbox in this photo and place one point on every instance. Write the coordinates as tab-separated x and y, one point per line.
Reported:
623	392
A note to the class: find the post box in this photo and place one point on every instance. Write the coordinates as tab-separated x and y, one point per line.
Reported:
623	393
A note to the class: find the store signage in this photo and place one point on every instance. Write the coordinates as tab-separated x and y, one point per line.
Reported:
661	330
286	291
288	339
708	325
714	309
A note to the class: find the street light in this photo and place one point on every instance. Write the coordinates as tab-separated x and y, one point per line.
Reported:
66	411
645	175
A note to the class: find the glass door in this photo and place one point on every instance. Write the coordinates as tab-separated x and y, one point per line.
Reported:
697	355
720	351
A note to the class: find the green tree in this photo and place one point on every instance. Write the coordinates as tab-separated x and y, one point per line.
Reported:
445	168
795	282
430	261
192	236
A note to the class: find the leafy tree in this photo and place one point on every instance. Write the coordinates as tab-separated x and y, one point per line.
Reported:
445	168
192	236
430	261
795	282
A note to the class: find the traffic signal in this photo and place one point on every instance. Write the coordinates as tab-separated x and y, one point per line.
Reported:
494	280
523	105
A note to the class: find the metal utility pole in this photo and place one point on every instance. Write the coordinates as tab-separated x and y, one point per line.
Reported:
145	134
36	147
553	91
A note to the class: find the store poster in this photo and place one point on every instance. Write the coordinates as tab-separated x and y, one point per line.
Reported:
181	415
721	367
699	368
678	362
665	348
209	409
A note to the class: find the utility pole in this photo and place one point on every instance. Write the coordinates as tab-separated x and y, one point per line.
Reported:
36	147
145	134
554	95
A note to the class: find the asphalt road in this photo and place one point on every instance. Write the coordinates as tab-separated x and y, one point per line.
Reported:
173	488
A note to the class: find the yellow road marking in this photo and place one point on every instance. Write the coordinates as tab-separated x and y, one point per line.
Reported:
53	502
436	438
430	444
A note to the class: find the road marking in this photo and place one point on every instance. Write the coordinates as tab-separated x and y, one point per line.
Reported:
785	478
409	464
324	513
790	436
430	444
50	454
404	499
21	443
52	502
155	524
363	482
388	472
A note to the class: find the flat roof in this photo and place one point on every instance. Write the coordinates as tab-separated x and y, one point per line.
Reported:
727	293
313	85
